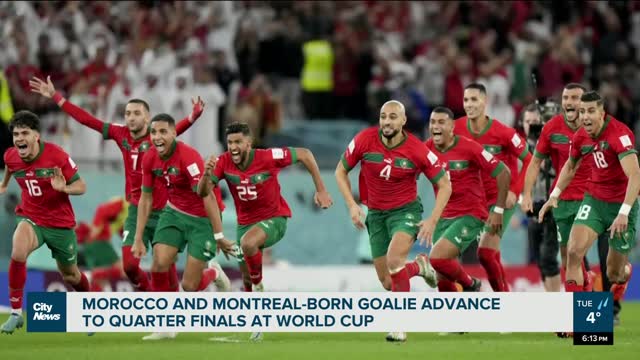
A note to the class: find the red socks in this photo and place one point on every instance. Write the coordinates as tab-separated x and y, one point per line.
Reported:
413	269
452	270
572	286
490	260
445	285
17	279
174	281
83	285
131	265
208	275
160	281
254	263
400	281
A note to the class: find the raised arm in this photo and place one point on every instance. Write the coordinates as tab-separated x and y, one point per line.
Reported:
47	90
185	124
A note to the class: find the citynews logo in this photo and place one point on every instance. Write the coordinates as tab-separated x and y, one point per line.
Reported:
43	311
47	312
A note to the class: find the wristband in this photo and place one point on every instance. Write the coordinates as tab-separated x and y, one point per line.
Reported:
57	98
624	209
556	192
218	236
498	210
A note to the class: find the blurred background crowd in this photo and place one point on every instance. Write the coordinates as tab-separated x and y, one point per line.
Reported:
278	63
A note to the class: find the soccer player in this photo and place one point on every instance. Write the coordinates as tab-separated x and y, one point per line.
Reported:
507	146
464	217
391	161
252	176
611	199
47	176
186	221
555	142
134	142
101	258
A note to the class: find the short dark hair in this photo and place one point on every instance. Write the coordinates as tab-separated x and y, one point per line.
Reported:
165	118
443	110
238	127
477	86
139	101
590	96
573	85
25	119
532	108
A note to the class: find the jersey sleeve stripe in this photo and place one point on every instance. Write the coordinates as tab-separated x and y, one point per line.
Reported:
147	189
214	179
105	131
436	178
73	179
623	154
524	152
497	170
345	164
294	155
540	155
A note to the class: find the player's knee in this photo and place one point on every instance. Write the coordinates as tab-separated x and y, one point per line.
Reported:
190	284
574	254
394	262
615	275
71	277
249	246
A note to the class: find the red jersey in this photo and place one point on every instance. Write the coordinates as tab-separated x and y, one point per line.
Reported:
40	203
181	170
615	141
502	142
255	189
132	149
110	217
555	142
465	161
390	174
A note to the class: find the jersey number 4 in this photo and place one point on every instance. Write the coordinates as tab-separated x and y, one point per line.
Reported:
33	188
247	192
386	172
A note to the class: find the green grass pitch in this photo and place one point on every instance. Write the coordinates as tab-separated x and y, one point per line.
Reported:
317	346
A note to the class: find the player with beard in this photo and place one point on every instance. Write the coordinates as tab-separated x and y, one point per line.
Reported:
507	146
555	142
252	176
610	203
47	176
391	161
464	217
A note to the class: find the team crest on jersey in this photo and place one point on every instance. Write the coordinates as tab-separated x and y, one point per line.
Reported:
173	170
464	231
144	146
603	145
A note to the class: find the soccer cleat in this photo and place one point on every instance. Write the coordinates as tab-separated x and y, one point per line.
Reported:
618	290
475	286
426	271
616	319
257	336
564	335
222	282
396	337
15	321
161	336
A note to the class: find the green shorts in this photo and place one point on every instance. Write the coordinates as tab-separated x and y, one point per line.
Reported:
506	219
564	215
62	242
99	254
273	227
383	224
598	215
129	229
179	230
461	231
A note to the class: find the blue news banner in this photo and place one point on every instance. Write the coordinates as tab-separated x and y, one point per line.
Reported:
588	315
